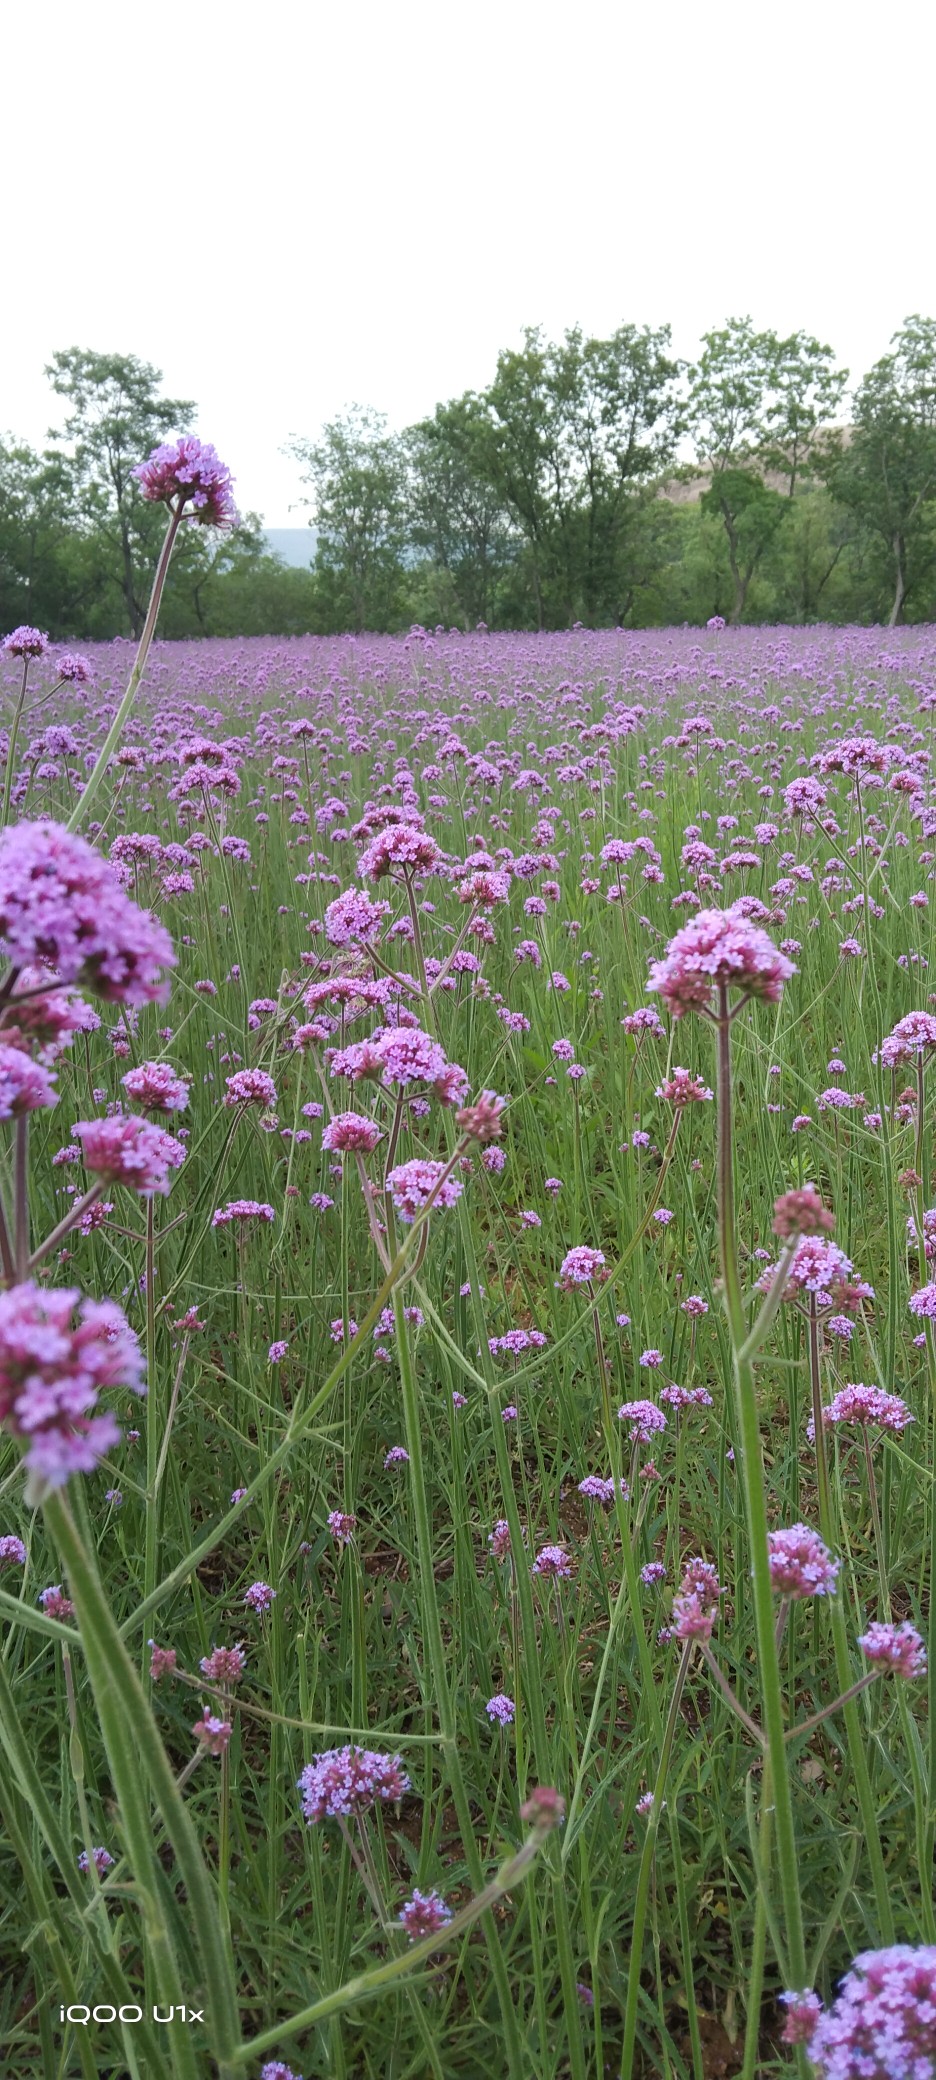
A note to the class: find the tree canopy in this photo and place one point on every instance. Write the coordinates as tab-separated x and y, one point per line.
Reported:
593	480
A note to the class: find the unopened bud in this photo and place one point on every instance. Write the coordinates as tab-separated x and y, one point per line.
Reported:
802	1213
544	1809
482	1120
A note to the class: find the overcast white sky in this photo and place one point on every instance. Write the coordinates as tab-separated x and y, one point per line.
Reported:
288	210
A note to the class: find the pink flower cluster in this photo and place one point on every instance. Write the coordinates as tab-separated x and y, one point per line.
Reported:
44	1023
343	1782
819	1267
402	845
156	1087
898	1647
412	1184
238	1210
353	918
399	1056
189	472
869	1406
24	1084
912	1036
351	1133
644	1419
882	2025
423	1914
131	1151
580	1266
695	1605
800	1564
681	1088
250	1087
61	904
719	950
52	1369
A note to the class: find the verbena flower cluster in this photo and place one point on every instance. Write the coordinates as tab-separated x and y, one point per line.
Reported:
58	1353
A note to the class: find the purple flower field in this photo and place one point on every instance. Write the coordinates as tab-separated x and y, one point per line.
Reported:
468	1353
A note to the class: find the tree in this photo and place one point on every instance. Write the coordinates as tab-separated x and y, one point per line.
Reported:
886	472
456	513
116	416
208	570
758	406
357	476
44	569
806	392
583	431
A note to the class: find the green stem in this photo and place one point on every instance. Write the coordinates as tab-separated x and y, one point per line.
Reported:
11	747
856	1748
646	1866
115	732
386	1974
755	1501
132	1741
440	1682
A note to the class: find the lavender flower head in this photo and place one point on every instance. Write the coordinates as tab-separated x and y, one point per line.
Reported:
411	1186
344	1782
681	1088
553	1562
259	1597
800	1564
580	1266
62	906
156	1087
130	1151
351	1133
52	1369
644	1419
212	1734
882	2025
819	1267
25	1085
870	1407
897	1647
912	1037
695	1606
103	1861
423	1914
353	917
719	949
25	642
188	472
401	845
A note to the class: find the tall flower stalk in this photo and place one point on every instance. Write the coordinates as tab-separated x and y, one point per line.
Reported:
755	1506
186	473
721	952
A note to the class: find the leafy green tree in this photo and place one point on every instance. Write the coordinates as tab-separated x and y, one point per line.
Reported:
210	569
885	473
758	407
115	417
44	570
583	429
457	515
356	474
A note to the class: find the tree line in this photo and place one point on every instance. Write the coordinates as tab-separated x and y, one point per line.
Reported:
599	481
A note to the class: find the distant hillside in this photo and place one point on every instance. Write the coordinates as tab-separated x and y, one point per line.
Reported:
296	545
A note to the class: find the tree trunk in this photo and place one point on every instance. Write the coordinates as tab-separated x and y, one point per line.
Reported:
538	593
900	588
135	612
739	581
